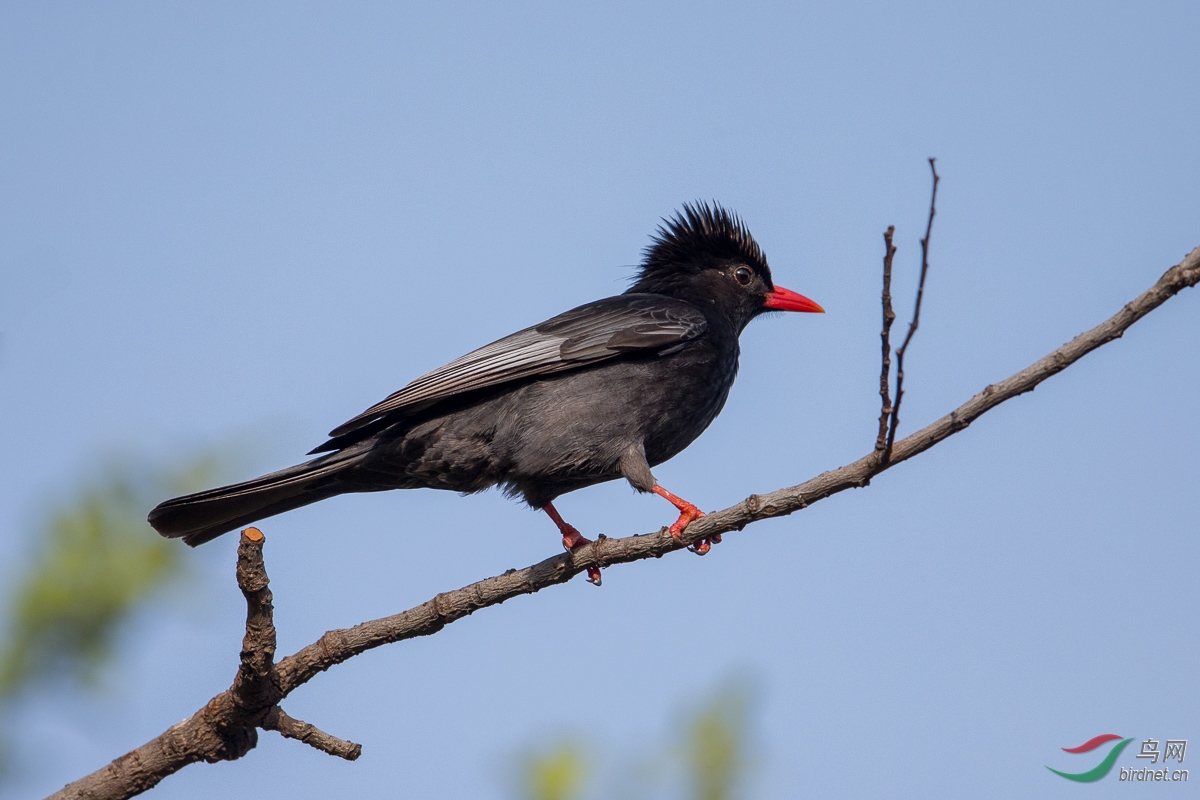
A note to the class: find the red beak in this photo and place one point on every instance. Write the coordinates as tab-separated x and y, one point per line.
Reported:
786	300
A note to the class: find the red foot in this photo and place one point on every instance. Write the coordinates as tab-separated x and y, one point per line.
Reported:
687	512
572	539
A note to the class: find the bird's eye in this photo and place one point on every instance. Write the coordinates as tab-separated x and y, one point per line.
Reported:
744	275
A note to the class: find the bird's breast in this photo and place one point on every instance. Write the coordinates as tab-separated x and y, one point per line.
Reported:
688	399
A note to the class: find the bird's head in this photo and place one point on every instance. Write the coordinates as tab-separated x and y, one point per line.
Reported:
706	256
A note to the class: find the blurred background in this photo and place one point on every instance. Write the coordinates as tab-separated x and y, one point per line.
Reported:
226	228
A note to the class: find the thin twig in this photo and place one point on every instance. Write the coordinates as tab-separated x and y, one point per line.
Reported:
889	316
916	318
185	744
278	720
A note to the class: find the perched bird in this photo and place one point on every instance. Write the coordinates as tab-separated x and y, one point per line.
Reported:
605	390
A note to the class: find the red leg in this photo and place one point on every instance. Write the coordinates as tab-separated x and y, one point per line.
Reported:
572	539
687	513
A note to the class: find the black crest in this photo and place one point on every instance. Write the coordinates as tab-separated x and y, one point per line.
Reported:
697	237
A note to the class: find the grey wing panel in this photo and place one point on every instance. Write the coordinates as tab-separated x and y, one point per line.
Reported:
591	333
517	356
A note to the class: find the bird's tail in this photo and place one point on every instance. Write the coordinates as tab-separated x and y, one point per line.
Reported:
202	517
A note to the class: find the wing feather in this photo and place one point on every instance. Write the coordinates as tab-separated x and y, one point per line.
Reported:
591	333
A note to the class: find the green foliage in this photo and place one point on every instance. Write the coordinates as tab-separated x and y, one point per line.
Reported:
555	774
707	758
715	746
95	561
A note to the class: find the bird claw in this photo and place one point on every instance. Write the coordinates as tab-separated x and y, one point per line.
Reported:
573	539
687	515
702	547
576	541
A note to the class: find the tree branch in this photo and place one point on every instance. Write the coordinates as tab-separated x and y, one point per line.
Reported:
256	684
916	318
278	720
889	316
225	728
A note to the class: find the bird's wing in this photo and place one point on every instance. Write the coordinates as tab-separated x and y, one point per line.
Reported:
585	335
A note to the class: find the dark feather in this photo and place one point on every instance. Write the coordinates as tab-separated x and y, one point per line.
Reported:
698	237
201	517
582	336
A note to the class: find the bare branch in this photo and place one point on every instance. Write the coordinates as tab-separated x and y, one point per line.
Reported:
201	736
339	645
227	727
278	720
889	316
916	318
256	685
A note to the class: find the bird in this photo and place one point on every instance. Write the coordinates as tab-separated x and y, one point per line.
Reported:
606	390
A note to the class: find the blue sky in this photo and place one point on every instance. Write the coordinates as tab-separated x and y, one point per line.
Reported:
240	224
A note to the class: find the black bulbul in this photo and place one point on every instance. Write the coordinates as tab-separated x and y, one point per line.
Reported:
603	391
